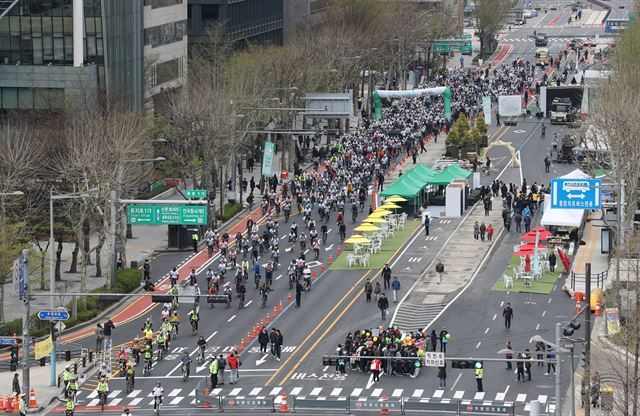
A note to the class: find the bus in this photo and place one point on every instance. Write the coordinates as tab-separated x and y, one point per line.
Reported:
617	23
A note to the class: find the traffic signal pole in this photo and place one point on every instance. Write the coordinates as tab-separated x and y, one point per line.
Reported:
26	340
587	332
558	366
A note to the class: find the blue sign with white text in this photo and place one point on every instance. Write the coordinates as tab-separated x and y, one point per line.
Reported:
53	315
576	193
8	341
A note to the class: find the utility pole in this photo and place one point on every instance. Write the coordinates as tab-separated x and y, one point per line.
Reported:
26	340
558	365
587	332
113	264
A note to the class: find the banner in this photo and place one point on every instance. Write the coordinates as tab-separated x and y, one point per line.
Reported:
613	320
267	158
43	348
486	109
510	105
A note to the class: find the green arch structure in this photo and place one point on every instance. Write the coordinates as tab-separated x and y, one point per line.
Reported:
380	94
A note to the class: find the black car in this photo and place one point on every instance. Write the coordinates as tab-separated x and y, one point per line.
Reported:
541	39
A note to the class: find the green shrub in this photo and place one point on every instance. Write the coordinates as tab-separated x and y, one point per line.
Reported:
229	211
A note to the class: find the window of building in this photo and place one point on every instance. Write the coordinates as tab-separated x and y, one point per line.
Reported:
31	98
210	14
165	34
168	71
161	3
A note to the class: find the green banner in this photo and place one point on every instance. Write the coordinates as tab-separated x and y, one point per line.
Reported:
267	158
167	214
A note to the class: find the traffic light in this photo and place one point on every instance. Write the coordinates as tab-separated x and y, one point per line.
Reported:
14	358
161	298
568	330
462	364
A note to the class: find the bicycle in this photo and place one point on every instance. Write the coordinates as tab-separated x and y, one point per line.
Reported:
160	353
292	280
201	355
129	384
241	303
194	327
185	373
264	299
147	367
157	401
103	399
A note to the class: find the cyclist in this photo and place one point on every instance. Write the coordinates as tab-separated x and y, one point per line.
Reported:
343	231
202	344
103	389
186	362
194	318
72	388
148	324
316	248
264	293
174	292
242	290
66	377
287	210
228	293
175	321
268	274
148	357
193	278
125	412
306	273
210	246
354	212
69	408
166	328
161	341
157	393
173	275
130	374
148	336
291	271
543	131
122	358
196	297
135	349
294	229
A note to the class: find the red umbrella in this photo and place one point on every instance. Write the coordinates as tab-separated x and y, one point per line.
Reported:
527	264
531	235
565	260
532	246
523	252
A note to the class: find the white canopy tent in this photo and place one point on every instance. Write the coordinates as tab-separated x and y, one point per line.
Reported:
562	217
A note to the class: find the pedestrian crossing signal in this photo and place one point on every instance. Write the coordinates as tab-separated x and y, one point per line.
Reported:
568	330
14	358
462	364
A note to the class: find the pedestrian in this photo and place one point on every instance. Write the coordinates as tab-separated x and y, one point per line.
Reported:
507	223
386	275
547	164
222	364
279	342
15	386
552	262
194	240
263	340
434	340
234	364
551	364
461	61
99	337
395	285
497	118
518	219
376	368
108	328
299	289
527	223
479	372
476	230
383	305
368	289
509	355
23	405
427	223
489	232
520	367
527	364
273	338
377	291
442	376
507	314
213	372
483	231
540	349
444	339
439	270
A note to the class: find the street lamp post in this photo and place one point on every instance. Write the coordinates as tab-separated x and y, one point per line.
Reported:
559	349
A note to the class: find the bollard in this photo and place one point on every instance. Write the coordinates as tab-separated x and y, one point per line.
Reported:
75	368
90	356
313	275
84	362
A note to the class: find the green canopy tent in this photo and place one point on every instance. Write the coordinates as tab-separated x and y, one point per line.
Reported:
411	184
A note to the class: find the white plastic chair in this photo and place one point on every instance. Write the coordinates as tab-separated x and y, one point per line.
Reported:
365	259
351	260
508	281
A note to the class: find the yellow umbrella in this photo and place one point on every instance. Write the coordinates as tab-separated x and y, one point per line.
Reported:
391	205
380	212
357	238
395	198
379	220
367	227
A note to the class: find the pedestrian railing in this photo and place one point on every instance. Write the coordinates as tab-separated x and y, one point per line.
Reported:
347	405
599	279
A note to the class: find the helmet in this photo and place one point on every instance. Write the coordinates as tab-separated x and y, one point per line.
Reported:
158	383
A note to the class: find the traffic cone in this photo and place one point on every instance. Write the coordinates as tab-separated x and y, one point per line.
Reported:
32	399
242	343
268	319
255	330
313	275
275	311
206	393
262	324
598	310
16	403
384	410
322	268
280	308
339	250
330	260
248	337
289	298
1	403
284	407
578	307
7	404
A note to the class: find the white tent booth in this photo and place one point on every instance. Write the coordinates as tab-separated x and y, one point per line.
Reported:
562	217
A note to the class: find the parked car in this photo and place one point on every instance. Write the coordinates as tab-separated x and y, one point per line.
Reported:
541	39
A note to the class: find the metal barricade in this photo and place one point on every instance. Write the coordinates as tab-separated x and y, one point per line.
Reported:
222	404
314	404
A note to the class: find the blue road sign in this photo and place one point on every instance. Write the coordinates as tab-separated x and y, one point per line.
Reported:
576	193
53	315
8	341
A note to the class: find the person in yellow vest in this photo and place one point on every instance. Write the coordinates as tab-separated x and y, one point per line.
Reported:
194	239
69	406
66	377
479	371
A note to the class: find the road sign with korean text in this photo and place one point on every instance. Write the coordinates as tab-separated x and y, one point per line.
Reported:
576	193
433	359
53	315
195	193
167	214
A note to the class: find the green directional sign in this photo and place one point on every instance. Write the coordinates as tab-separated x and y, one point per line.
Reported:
167	214
195	193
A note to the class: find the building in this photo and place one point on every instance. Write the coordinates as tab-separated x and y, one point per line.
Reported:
302	12
245	21
54	52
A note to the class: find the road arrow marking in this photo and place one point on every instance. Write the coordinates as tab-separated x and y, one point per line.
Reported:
287	249
407	269
327	248
262	360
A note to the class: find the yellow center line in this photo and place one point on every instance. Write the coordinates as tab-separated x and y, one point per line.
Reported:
335	321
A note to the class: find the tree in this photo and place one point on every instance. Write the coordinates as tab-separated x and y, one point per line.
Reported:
489	17
459	134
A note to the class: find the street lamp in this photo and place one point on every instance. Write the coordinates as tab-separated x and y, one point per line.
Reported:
559	349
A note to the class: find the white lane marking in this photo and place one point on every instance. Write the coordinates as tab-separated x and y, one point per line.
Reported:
494	317
316	391
115	401
458	394
93	394
376	392
396	393
134	393
279	276
93	402
231	319
296	391
248	303
521	398
177	400
417	393
456	382
486	331
438	394
542	398
479	396
174	392
356	392
275	391
478	344
501	303
135	401
544	313
257	390
537	327
235	391
336	391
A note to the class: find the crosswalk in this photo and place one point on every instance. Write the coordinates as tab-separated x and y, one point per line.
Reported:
412	317
186	397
